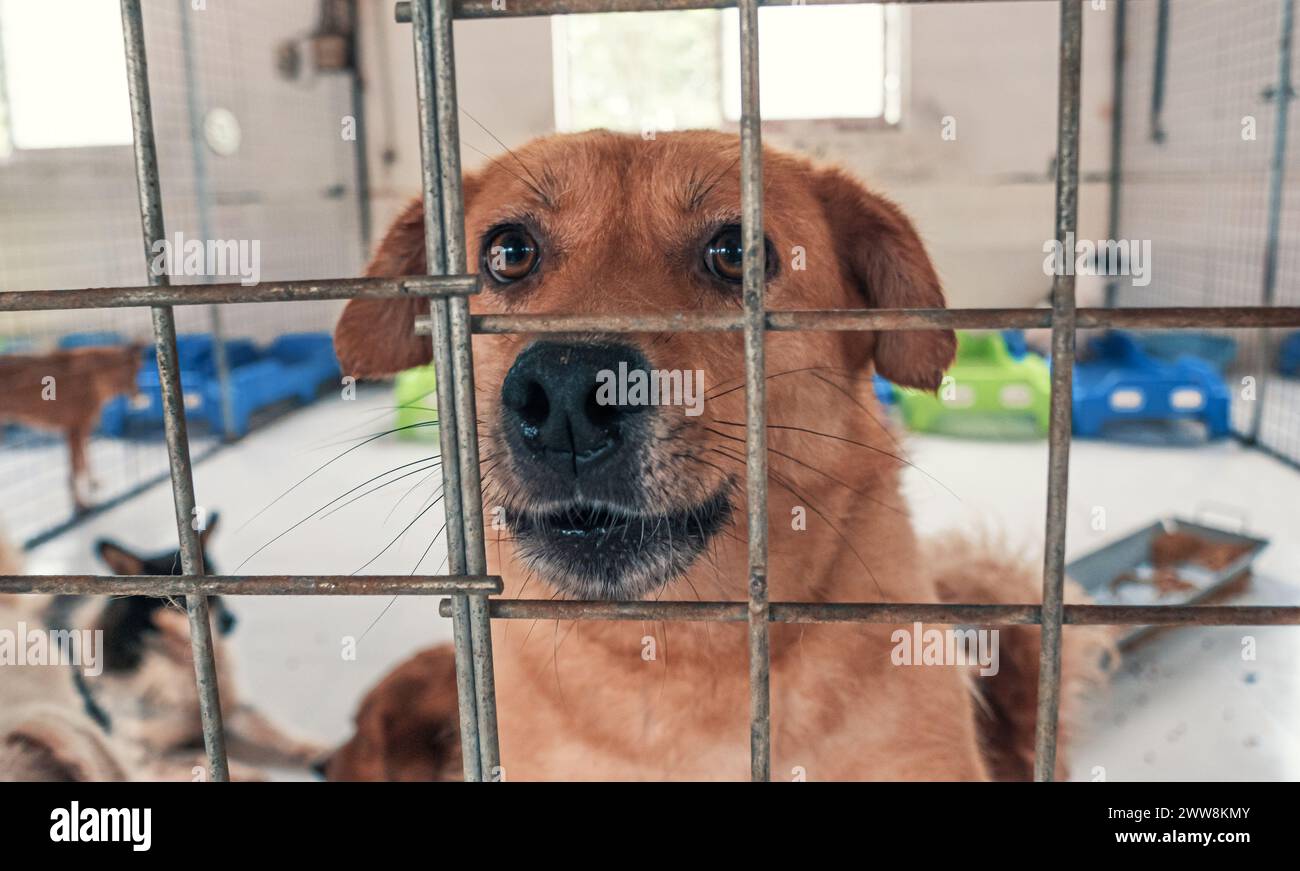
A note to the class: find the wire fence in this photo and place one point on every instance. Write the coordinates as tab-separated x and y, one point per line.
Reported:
452	326
1208	161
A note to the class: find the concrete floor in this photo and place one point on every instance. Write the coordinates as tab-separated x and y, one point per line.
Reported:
1185	705
288	652
34	471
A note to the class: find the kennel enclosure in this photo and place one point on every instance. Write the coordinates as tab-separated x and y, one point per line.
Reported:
1203	164
250	149
448	288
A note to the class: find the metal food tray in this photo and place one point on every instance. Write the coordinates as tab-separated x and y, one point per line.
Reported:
1097	571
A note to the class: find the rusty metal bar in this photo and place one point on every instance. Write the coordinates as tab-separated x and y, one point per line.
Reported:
755	275
902	612
531	8
1058	462
436	263
178	447
250	585
210	294
1228	317
1188	317
462	362
443	286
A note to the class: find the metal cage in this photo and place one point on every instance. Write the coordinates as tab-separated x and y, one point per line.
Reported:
447	288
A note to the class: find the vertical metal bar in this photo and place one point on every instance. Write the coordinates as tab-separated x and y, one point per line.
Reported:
755	267
1116	180
1161	62
357	95
453	225
1058	463
203	199
1284	93
178	447
436	256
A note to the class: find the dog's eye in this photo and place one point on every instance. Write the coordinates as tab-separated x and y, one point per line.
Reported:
510	254
725	255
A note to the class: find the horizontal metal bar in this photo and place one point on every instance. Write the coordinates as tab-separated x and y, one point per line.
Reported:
530	8
210	294
734	322
857	612
1190	317
1181	317
251	585
895	319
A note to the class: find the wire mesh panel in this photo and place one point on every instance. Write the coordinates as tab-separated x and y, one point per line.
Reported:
1202	101
452	325
257	150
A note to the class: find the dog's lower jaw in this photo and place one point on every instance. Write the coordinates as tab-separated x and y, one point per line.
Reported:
604	554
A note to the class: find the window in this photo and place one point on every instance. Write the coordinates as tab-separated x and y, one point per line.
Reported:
62	75
676	70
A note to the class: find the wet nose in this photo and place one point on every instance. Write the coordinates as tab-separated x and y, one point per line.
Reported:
562	407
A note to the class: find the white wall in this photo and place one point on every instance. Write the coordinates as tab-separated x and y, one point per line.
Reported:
503	79
69	217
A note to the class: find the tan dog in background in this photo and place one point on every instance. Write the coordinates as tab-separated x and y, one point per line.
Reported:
65	391
633	501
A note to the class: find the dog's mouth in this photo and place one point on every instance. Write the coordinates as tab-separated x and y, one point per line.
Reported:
598	551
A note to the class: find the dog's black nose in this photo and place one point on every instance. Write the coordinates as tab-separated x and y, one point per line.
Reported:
561	403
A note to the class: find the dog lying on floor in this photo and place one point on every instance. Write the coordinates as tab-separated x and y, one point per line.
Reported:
46	734
65	391
620	500
135	714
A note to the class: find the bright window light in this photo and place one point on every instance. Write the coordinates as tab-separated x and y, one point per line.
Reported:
63	77
678	70
637	71
815	62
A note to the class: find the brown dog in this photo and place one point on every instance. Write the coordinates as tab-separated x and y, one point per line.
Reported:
407	727
626	500
65	391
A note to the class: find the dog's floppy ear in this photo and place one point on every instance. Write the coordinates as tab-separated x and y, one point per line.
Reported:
119	559
376	337
881	252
